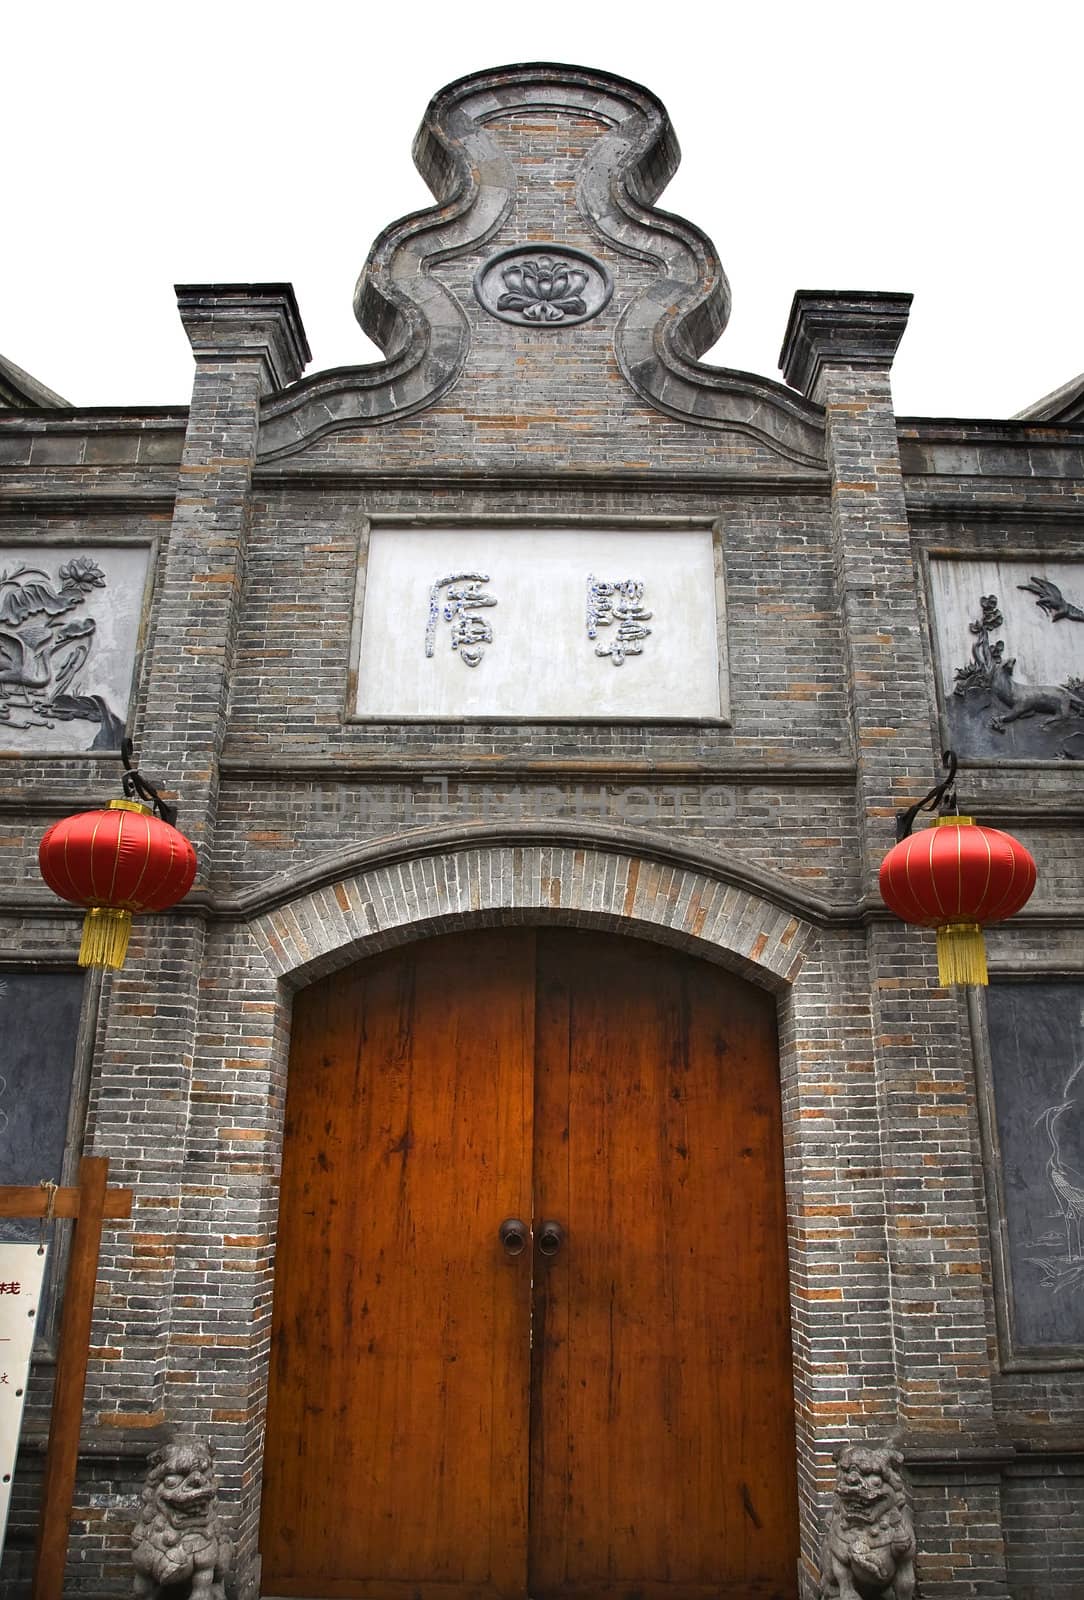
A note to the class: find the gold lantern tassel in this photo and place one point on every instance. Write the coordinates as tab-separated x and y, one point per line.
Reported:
961	954
105	937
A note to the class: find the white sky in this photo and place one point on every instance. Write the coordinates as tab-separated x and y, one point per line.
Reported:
934	147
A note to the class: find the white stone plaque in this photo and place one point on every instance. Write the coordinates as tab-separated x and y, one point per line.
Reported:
577	623
22	1269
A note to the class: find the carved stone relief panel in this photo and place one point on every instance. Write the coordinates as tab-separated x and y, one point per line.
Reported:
1035	1119
543	286
39	1028
70	621
491	622
1010	651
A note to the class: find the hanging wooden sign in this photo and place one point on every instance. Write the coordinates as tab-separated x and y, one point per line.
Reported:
22	1270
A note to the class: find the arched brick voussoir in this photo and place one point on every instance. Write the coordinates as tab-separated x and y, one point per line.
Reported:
330	926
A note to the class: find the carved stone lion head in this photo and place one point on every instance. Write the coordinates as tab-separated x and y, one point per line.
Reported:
868	1475
180	1485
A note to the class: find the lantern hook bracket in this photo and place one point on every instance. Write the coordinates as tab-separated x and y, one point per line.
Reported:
942	796
134	784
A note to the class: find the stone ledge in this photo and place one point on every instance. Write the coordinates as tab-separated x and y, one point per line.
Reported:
840	327
231	321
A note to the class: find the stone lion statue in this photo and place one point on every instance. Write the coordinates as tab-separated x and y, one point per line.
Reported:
178	1547
869	1549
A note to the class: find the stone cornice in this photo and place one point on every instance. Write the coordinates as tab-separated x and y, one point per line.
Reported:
932	501
243	321
574	480
97	419
990	430
840	327
94	502
240	766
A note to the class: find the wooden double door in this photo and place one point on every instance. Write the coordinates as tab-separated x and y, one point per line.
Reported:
607	1412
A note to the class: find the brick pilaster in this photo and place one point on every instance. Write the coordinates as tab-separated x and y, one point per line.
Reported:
839	349
248	342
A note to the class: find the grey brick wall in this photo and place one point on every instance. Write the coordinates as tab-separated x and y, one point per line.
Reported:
323	839
1043	1512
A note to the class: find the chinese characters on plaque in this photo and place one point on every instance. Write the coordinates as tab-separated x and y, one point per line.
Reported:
617	605
22	1269
462	595
576	623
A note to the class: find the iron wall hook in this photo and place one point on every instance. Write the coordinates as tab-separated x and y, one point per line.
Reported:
942	795
133	784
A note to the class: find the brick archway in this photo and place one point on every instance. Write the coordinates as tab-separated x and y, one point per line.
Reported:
379	906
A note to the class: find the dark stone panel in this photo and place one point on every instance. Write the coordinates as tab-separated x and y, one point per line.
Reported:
1037	1062
62	450
39	1022
112	447
15	449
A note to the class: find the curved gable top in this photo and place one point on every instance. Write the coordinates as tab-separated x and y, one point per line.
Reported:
672	299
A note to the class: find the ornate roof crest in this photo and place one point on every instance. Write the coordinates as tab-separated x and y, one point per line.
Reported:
661	330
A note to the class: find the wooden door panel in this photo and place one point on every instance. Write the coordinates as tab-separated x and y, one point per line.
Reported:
662	1416
661	1445
396	1453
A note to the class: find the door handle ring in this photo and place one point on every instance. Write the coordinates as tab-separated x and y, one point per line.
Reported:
551	1236
513	1235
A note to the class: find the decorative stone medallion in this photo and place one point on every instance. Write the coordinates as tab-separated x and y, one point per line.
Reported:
543	286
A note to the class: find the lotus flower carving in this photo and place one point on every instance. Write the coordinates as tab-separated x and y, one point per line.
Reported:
545	289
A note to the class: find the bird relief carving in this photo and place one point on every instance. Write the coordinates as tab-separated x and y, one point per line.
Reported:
991	683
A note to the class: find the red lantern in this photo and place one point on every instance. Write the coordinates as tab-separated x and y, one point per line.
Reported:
954	877
115	862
